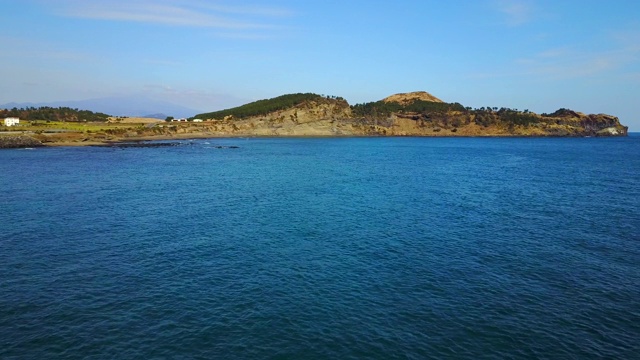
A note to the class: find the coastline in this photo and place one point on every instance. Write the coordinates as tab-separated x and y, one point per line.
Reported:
100	134
416	114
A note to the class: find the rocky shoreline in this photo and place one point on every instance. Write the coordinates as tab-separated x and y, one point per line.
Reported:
25	141
18	141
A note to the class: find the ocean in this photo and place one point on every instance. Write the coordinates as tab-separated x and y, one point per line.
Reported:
323	248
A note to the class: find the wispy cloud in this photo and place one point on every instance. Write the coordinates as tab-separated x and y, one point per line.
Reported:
24	49
258	10
162	62
244	35
516	12
190	13
205	100
623	51
554	53
621	59
574	66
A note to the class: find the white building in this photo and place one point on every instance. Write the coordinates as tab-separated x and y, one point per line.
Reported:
197	120
11	121
180	120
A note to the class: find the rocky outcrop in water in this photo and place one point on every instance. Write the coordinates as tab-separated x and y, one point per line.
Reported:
18	141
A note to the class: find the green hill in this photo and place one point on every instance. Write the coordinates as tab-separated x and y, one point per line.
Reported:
262	107
54	114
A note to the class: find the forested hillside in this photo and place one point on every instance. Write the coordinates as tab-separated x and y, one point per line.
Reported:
384	108
264	107
53	114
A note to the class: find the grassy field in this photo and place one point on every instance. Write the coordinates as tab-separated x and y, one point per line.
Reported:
77	133
134	120
113	123
44	126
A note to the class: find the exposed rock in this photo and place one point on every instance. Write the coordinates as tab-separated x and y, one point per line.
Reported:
612	131
18	141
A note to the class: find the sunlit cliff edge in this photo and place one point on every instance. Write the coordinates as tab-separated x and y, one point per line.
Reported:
407	114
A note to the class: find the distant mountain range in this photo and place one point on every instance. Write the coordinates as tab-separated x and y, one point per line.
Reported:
160	116
118	106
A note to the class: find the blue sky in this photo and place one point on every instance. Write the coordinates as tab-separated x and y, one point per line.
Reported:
526	54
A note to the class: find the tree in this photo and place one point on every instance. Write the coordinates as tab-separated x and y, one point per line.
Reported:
168	119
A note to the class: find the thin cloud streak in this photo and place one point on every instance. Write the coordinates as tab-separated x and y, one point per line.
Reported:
569	63
244	36
580	66
28	49
517	12
176	13
247	10
204	100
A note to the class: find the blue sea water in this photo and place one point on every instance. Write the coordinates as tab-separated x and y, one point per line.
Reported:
347	248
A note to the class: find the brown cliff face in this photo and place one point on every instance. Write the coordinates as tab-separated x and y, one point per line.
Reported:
585	125
320	117
414	114
408	114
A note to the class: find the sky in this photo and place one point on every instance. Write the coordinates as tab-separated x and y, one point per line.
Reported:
539	55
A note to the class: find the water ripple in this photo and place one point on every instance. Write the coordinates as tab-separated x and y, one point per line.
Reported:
323	248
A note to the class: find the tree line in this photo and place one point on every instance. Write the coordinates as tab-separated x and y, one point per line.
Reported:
382	108
262	107
48	113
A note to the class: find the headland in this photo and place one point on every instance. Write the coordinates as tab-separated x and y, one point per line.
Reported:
308	115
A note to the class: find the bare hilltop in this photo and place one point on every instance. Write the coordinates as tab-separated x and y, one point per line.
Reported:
408	98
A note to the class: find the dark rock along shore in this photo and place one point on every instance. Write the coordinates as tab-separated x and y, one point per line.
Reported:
18	141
